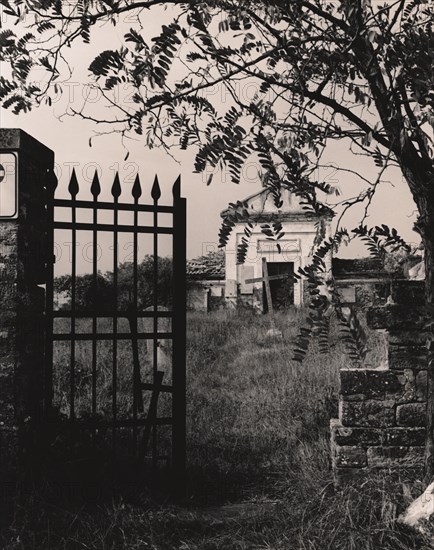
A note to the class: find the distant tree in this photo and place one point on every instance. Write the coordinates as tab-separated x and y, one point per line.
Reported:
145	279
101	297
88	296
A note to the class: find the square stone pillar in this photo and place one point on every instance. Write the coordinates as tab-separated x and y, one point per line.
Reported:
382	411
26	163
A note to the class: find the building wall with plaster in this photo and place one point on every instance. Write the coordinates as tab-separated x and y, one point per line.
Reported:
296	246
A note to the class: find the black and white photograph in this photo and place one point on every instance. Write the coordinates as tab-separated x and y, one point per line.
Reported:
217	275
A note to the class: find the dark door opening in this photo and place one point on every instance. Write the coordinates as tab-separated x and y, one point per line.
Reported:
282	291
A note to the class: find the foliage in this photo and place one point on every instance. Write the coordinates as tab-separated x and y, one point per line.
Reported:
102	297
381	240
145	278
360	72
325	304
87	294
386	245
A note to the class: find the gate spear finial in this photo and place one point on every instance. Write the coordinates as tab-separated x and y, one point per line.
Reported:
156	191
137	188
95	188
73	184
116	187
177	188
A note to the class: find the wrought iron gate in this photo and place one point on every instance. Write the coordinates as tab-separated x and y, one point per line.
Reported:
141	420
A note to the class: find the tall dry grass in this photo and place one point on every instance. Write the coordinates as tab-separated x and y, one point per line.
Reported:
253	412
258	460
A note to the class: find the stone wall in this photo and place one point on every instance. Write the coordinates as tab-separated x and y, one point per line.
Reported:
363	293
23	259
206	295
381	422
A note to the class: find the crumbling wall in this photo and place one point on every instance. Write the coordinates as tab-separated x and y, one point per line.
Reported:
382	410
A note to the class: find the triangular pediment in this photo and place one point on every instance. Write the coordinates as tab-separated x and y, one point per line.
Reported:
262	204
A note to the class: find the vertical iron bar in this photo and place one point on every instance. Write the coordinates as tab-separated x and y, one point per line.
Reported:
136	192
116	191
156	194
73	189
95	189
49	294
179	330
151	416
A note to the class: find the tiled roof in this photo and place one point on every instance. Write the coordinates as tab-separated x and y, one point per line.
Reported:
211	266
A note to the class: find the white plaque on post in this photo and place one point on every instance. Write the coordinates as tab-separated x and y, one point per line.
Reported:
8	186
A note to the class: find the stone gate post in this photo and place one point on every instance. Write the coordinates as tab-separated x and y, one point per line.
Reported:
382	411
24	166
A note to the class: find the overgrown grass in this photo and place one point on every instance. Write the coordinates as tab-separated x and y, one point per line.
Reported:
254	413
258	453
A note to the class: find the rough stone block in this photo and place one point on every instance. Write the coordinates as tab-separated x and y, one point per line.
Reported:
8	296
421	385
408	292
8	318
407	338
370	384
369	413
407	357
411	414
414	386
8	235
399	317
353	381
398	474
7	272
7	342
11	454
6	381
362	437
388	457
7	412
403	437
350	457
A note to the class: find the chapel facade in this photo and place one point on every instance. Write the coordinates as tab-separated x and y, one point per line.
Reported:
243	284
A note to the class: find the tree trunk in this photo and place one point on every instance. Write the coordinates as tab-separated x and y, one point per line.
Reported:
428	240
418	169
429	441
425	226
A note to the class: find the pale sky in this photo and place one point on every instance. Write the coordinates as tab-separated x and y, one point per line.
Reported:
69	137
